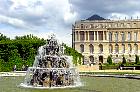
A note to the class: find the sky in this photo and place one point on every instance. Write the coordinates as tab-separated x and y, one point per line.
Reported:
44	17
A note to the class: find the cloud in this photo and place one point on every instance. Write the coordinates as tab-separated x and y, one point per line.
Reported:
15	22
105	8
42	15
57	16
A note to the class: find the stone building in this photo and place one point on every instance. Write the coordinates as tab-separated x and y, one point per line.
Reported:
97	38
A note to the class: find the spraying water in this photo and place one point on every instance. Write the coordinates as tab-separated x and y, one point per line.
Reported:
51	68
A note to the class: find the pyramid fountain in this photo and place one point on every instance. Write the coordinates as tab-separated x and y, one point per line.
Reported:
51	68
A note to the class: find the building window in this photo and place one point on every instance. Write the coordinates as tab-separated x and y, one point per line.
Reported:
116	48
122	24
109	25
110	48
91	35
100	48
100	33
123	37
82	48
96	35
134	25
82	26
91	58
135	36
135	48
116	36
91	25
82	36
123	48
86	35
129	48
91	48
105	35
128	25
77	36
110	36
129	36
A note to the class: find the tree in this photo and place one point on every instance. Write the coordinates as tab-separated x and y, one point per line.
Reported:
15	59
137	59
124	60
109	60
18	51
76	55
3	37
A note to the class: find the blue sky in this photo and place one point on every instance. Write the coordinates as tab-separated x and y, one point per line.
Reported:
43	17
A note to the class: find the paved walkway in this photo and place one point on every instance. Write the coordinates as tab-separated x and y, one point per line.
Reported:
12	73
95	68
19	73
110	71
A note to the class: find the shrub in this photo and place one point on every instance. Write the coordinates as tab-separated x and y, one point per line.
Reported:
137	59
124	60
109	60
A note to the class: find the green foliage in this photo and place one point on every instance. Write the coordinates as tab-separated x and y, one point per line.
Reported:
19	51
22	50
76	55
109	60
124	60
137	59
3	37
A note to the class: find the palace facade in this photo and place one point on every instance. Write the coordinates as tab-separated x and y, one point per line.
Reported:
97	38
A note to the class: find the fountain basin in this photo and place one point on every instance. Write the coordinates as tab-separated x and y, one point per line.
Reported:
44	78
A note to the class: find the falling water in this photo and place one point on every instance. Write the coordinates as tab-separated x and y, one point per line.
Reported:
51	68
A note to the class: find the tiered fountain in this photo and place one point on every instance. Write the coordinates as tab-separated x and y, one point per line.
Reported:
51	68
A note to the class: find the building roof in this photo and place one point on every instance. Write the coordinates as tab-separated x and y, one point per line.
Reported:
95	17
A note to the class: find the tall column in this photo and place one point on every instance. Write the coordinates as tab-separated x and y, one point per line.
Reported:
88	35
107	35
119	37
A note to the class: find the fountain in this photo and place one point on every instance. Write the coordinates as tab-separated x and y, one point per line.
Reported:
51	68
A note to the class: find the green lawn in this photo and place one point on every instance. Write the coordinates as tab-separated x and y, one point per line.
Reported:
91	84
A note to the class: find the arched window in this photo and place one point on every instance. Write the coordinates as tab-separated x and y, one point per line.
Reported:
110	48
123	48
82	26
91	48
82	48
116	48
135	48
91	58
100	48
129	48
